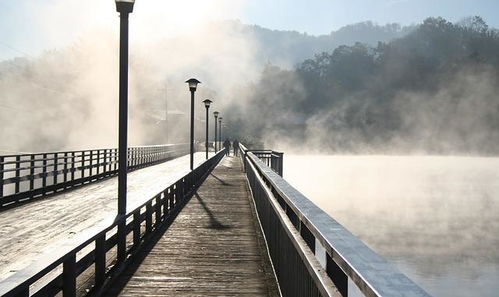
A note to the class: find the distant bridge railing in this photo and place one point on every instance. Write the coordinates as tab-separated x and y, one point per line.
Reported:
90	259
312	254
27	176
272	159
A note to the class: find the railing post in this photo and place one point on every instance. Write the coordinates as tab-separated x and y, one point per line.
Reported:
136	228
55	166
149	217
31	172
73	166
100	260
82	165
157	207
98	162
18	165
69	276
166	197
339	278
2	160
91	165
65	170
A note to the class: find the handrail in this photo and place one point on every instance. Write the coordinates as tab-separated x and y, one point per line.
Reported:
24	177
343	255
96	242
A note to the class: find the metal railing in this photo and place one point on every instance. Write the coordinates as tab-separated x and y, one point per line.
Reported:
312	254
272	159
93	250
27	176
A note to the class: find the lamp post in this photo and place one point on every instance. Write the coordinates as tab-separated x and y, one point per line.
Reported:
124	7
207	103
220	131
193	84
216	129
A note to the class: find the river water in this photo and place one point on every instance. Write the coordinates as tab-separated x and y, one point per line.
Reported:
435	218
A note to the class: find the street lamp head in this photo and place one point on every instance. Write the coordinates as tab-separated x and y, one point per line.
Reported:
124	6
193	84
216	114
220	119
207	103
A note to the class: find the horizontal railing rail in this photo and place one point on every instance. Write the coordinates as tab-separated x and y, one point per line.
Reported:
312	254
27	176
91	254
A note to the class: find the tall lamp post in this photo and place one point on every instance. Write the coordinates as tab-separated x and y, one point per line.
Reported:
207	103
193	84
216	129
220	130
124	7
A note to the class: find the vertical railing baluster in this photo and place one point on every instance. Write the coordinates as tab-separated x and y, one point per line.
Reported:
18	174
44	173
73	165
339	278
82	158
91	165
149	217
2	168
69	276
98	162
136	228
100	260
116	157
65	170
166	198
55	167
158	210
32	172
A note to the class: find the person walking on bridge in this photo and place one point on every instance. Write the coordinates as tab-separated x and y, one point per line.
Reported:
235	145
227	147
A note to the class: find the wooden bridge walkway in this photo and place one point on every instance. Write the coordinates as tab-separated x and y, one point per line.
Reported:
213	248
29	230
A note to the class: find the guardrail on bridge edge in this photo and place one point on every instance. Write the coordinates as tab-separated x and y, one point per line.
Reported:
24	177
312	254
156	214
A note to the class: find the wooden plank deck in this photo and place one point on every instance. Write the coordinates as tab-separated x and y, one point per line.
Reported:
39	226
213	248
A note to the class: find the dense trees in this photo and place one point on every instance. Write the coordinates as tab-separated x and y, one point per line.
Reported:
433	90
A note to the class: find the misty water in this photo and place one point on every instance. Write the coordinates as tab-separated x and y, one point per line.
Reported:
435	218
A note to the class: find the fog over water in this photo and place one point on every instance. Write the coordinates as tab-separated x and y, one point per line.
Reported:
435	217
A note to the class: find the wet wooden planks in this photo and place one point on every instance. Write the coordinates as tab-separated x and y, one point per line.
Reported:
213	248
29	230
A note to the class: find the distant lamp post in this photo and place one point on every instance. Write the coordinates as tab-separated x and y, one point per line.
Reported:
207	103
220	131
216	129
193	84
124	7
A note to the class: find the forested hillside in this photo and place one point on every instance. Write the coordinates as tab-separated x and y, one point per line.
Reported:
434	90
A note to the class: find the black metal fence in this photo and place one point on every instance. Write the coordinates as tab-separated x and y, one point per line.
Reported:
96	250
312	254
27	176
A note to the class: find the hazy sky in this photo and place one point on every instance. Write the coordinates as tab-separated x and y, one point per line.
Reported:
29	26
